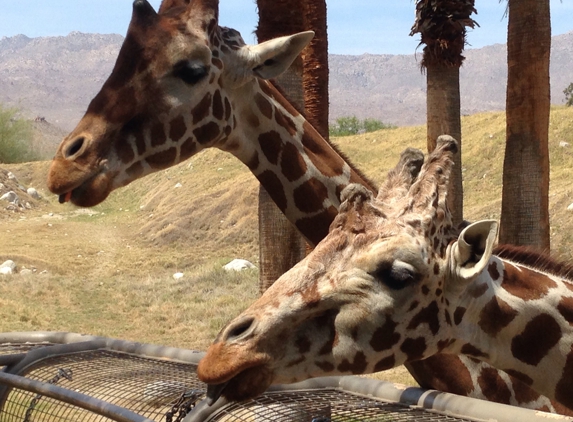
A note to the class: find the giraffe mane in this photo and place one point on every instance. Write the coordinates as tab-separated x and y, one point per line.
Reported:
371	183
535	259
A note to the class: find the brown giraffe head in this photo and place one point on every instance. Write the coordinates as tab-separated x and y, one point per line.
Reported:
171	93
373	295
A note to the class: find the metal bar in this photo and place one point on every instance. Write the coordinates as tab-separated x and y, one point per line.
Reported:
435	401
60	337
139	349
12	359
444	403
74	398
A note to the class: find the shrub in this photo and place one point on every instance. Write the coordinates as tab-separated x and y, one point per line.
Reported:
569	95
15	137
346	126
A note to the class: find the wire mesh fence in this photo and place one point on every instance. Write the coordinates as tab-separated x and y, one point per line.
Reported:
146	386
93	379
328	405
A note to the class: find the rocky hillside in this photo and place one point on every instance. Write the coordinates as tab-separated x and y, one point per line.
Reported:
55	78
392	87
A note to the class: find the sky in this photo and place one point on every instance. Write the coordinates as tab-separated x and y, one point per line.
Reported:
354	26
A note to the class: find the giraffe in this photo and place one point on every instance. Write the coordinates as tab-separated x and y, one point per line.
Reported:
395	282
172	99
181	84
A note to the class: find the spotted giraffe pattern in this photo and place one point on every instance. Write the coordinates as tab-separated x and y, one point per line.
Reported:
182	84
394	282
159	108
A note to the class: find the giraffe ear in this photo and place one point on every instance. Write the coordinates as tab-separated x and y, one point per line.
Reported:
471	253
273	57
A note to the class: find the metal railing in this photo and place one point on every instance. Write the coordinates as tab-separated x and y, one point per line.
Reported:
48	376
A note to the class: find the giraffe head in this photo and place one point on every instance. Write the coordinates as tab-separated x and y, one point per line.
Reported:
172	92
374	294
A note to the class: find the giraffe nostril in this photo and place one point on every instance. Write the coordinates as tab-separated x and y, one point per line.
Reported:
75	147
239	329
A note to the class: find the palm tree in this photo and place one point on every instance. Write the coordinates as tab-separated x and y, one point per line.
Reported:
442	25
525	197
280	244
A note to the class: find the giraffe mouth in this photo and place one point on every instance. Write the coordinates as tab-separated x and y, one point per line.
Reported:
65	197
245	385
214	391
88	192
84	187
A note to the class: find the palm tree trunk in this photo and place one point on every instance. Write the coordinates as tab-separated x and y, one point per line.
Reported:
280	244
315	67
525	196
443	117
442	26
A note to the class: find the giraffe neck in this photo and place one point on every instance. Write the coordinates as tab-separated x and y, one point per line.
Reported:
303	173
520	320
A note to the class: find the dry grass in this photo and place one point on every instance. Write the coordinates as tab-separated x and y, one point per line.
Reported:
110	268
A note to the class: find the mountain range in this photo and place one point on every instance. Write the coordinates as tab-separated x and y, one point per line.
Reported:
55	77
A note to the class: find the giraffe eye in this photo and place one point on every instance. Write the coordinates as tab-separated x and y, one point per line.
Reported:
395	276
190	72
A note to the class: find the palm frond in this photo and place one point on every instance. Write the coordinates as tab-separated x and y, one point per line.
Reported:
442	25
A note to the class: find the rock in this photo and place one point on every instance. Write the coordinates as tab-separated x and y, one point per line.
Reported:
178	276
11	176
26	271
33	193
570	207
11	197
178	185
238	265
563	144
8	267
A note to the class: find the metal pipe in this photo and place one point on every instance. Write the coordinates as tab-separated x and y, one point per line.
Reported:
139	349
12	359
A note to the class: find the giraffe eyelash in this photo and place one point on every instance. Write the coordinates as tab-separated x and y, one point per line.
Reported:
189	72
396	277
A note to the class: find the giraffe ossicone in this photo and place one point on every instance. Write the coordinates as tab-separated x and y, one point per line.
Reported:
394	282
